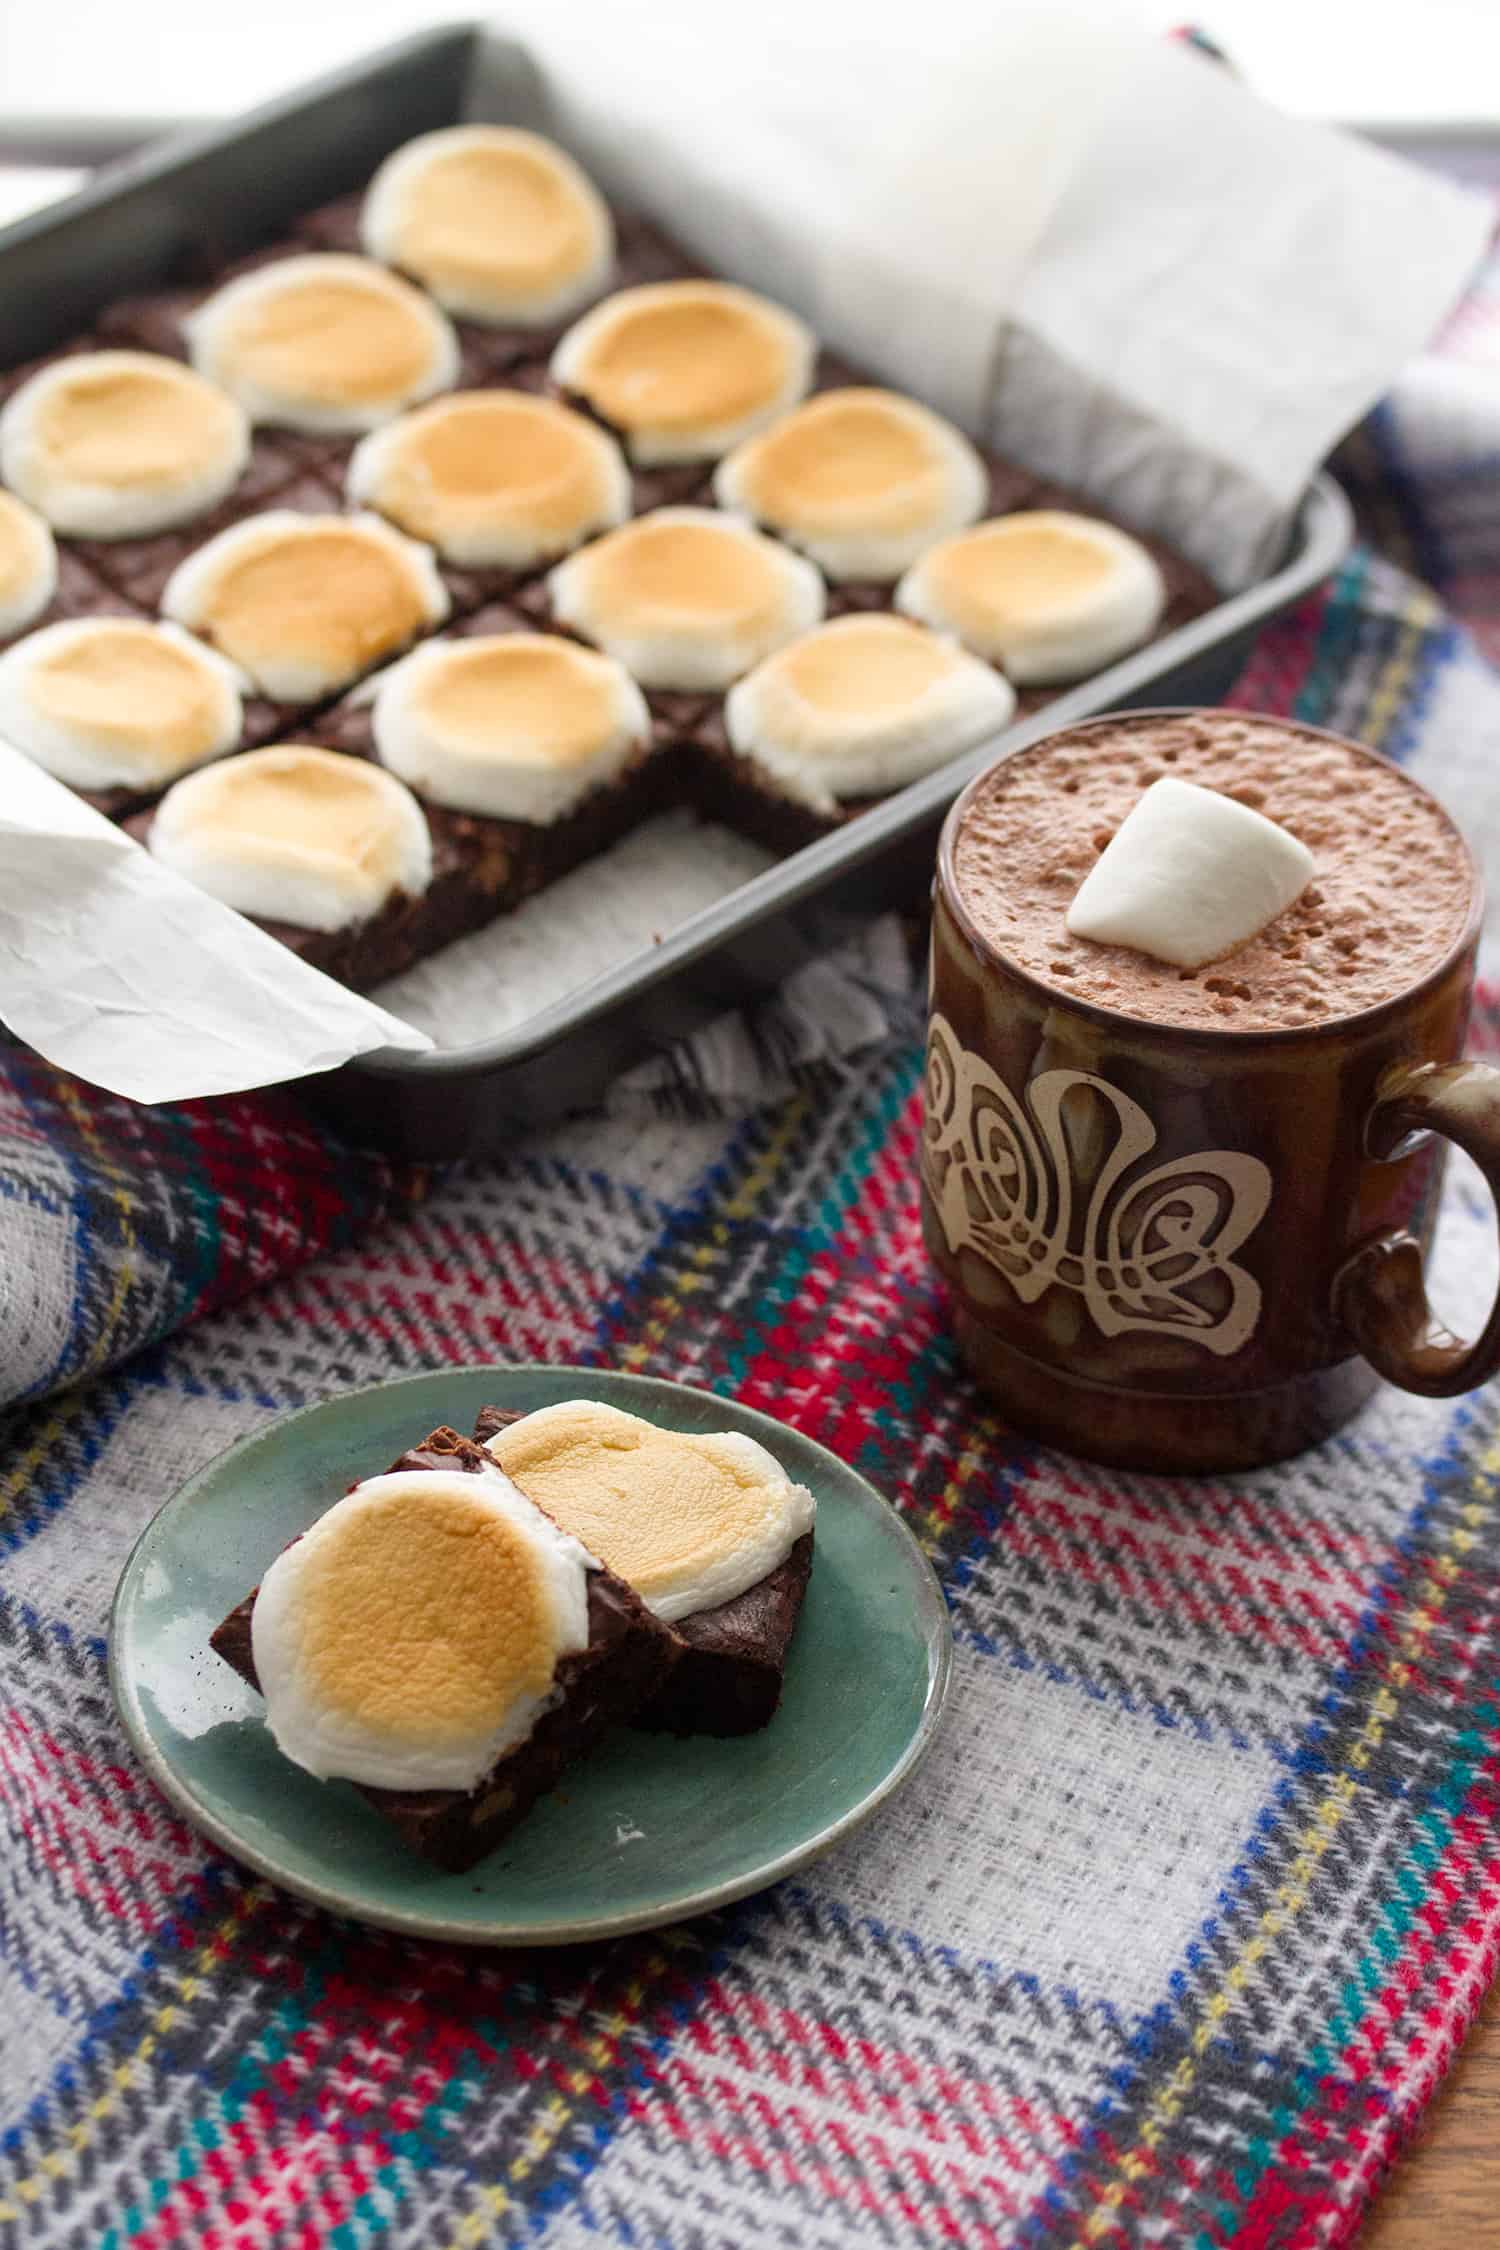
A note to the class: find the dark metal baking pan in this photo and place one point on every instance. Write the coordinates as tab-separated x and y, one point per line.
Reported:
222	188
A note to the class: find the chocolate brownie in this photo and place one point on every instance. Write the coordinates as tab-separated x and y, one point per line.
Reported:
483	867
730	1675
139	568
510	353
81	594
153	321
629	1655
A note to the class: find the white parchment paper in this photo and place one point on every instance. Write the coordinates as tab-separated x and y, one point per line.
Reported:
120	970
1093	249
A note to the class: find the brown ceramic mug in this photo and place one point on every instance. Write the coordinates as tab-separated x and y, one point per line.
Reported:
1184	1245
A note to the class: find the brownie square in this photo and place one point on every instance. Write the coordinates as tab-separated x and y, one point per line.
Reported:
481	867
80	592
628	1657
499	354
730	1675
139	568
474	878
11	378
153	321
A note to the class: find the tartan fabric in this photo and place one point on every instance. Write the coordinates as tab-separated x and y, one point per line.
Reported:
120	1223
1172	1937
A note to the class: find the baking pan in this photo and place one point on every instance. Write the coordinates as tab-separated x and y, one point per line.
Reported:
218	190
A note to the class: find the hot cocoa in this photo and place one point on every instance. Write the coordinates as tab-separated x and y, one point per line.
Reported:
1390	896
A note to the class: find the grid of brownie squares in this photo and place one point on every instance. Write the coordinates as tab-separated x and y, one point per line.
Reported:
482	866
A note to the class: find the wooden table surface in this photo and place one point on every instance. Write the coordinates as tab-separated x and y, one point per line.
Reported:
1445	2192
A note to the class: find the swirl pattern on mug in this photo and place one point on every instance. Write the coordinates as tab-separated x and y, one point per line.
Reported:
1044	1194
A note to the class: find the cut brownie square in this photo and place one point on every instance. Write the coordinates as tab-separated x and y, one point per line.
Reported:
730	1675
139	568
11	378
80	592
481	866
474	878
628	1657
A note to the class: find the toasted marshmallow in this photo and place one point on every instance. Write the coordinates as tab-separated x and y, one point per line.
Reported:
686	369
305	604
494	479
296	834
114	702
323	342
1049	596
499	224
861	705
518	726
689	1522
115	445
1189	876
862	480
28	565
412	1636
686	598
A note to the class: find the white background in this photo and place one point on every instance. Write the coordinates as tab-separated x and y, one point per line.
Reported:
1351	59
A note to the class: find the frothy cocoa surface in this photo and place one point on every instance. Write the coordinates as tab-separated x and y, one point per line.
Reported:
1389	896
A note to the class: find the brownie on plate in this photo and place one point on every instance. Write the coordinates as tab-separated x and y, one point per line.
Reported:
629	1655
729	1677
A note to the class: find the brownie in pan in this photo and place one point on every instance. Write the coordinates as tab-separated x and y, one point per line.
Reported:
508	352
474	878
628	1656
481	866
729	1677
532	854
80	592
139	568
80	595
725	786
153	321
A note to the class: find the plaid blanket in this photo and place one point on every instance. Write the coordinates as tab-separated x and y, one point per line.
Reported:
1179	1927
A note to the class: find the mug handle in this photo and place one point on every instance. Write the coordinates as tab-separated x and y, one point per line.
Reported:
1378	1292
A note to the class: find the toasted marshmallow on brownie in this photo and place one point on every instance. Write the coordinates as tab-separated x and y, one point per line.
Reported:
494	479
1048	595
500	224
861	705
116	702
323	342
861	479
412	1635
296	834
689	1522
517	726
28	565
305	604
116	445
686	598
686	369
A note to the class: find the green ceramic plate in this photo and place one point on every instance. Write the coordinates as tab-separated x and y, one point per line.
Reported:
644	1831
